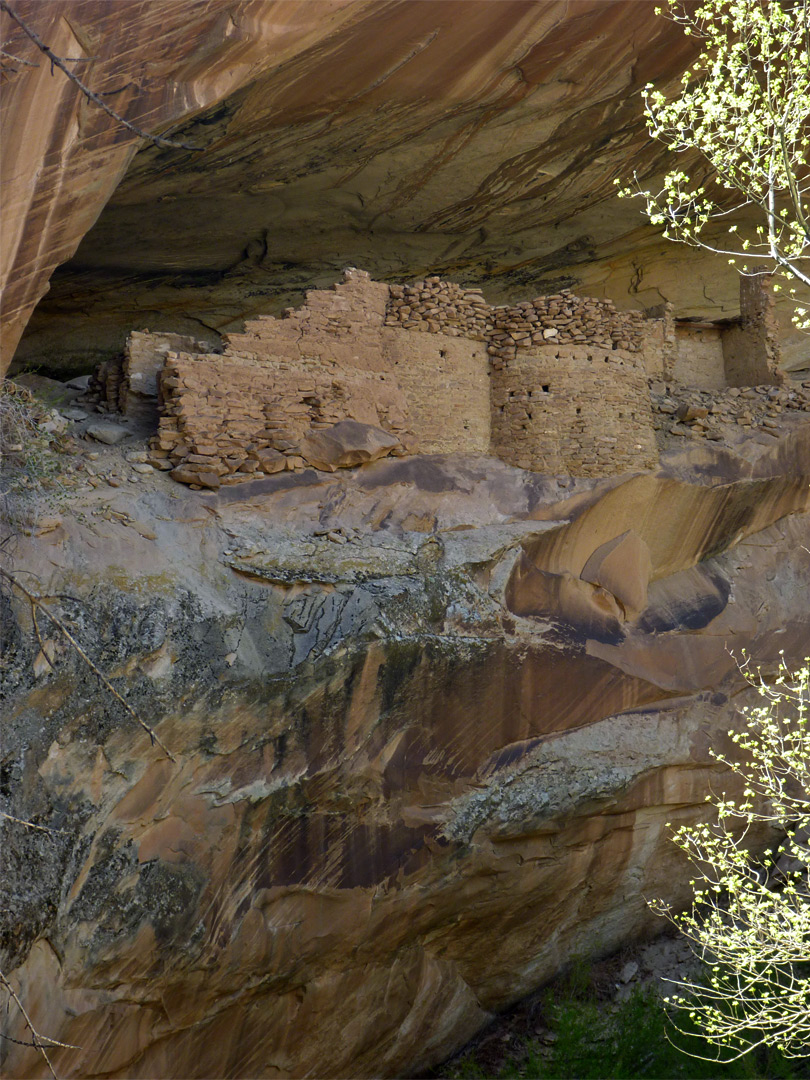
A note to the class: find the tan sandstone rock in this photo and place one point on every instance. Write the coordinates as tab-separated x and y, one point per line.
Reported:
406	788
623	567
345	444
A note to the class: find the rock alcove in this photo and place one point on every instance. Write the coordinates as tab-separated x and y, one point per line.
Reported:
430	713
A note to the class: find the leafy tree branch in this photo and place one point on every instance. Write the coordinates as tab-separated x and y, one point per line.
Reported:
744	110
750	921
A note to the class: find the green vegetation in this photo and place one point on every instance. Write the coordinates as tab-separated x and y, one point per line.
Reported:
741	125
630	1040
751	917
747	1014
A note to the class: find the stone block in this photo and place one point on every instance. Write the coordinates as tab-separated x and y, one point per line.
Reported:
345	444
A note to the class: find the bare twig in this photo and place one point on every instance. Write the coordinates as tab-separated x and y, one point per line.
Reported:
19	1042
29	824
91	95
17	59
42	647
37	1039
36	602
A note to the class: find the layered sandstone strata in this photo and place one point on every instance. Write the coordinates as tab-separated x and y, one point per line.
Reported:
415	771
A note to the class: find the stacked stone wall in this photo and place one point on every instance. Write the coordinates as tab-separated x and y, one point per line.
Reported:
557	384
565	319
129	383
144	356
576	409
751	350
104	387
337	328
439	307
659	345
568	375
446	382
699	360
436	306
237	418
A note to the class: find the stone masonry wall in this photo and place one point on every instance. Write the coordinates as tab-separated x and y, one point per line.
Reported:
226	419
568	374
446	382
751	350
700	356
659	345
557	384
579	409
144	356
128	383
439	307
337	329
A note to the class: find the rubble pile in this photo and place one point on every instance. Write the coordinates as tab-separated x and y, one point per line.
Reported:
685	411
564	319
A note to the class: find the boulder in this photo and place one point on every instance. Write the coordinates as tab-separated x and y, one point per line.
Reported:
271	461
345	444
623	567
187	474
687	412
107	433
51	391
81	383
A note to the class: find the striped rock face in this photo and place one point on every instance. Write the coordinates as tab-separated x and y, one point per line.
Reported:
429	720
472	139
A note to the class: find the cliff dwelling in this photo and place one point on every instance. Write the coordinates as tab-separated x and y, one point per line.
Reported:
558	385
387	507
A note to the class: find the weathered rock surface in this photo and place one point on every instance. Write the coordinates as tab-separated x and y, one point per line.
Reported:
476	140
409	780
345	444
63	158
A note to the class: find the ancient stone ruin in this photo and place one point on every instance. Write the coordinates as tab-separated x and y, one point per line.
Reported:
558	385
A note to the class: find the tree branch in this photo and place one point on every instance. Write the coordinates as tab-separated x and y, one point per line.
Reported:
35	1035
36	602
29	824
57	61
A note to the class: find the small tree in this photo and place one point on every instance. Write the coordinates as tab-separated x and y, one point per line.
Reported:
742	119
750	920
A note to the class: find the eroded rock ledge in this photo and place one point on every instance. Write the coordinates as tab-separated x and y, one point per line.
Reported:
416	769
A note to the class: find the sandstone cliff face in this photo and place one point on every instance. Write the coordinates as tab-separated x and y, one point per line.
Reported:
473	139
159	61
415	771
428	719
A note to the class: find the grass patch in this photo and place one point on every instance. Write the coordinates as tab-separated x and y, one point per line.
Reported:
29	440
583	1038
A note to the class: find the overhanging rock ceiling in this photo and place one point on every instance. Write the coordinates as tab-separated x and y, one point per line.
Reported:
471	138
